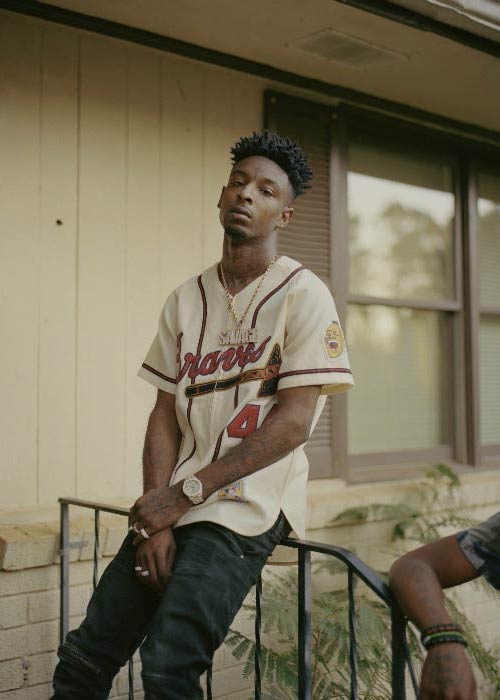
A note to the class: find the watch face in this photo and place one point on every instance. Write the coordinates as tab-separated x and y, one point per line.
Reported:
192	487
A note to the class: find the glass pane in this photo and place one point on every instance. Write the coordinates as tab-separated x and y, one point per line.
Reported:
489	239
397	357
401	210
489	377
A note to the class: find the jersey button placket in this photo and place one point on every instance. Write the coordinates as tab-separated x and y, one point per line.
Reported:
212	422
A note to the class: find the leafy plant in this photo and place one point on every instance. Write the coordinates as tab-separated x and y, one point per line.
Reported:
438	505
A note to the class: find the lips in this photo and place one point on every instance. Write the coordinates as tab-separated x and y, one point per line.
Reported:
241	211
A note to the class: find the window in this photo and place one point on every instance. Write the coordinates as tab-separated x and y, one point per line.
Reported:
401	209
411	253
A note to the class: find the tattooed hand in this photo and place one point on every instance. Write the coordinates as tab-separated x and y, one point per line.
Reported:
447	674
158	509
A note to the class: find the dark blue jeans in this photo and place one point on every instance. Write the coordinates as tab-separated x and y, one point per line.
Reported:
179	631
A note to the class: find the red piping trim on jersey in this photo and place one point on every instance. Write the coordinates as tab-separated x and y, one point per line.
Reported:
204	321
217	446
325	370
158	374
198	351
273	291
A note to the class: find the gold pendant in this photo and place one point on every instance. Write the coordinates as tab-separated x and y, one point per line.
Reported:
238	336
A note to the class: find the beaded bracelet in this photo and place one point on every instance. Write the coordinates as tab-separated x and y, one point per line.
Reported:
443	638
440	627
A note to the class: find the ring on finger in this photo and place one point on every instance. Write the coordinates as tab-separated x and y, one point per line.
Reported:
136	529
145	573
137	568
144	533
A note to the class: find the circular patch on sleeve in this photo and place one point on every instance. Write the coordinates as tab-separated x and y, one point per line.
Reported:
334	340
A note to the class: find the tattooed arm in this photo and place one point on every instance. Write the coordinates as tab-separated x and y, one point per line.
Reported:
286	427
161	448
417	580
161	444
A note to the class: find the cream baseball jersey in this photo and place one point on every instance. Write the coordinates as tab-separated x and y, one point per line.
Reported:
226	380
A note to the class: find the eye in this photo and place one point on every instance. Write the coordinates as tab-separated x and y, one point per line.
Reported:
238	183
266	192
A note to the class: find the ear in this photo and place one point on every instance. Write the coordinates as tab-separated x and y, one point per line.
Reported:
286	217
221	195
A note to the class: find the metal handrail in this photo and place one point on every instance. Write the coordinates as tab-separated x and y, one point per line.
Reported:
355	567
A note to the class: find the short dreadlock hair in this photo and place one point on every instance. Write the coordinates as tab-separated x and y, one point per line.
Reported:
280	149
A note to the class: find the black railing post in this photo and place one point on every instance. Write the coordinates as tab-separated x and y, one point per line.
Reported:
95	576
131	694
398	654
64	550
258	649
130	679
304	601
353	651
209	683
413	676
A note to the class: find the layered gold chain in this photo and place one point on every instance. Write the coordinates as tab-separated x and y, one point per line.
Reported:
230	298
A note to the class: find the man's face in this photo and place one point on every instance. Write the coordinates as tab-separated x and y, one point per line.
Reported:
256	200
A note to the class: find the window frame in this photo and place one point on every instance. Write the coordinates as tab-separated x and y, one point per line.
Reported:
391	464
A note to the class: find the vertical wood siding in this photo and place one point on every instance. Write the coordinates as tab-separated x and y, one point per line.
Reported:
128	148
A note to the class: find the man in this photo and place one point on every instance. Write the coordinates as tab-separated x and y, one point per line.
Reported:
244	356
417	579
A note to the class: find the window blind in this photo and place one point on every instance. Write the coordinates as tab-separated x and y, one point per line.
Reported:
307	238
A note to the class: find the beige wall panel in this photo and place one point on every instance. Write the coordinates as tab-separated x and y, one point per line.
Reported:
181	174
143	247
101	269
232	108
57	373
129	149
19	257
219	135
248	105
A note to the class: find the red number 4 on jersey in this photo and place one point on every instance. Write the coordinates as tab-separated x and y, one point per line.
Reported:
245	422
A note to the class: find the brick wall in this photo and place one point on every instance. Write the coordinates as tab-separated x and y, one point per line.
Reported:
29	582
29	609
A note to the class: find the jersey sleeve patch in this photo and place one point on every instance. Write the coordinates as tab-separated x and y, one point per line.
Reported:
333	340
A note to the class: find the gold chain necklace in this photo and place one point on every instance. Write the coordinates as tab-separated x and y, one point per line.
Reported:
238	334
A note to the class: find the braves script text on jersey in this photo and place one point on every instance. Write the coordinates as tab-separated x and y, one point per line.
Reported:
224	392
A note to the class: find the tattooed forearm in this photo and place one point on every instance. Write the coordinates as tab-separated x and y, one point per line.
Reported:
282	431
161	444
417	579
418	592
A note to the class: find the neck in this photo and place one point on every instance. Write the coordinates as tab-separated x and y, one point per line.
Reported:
244	261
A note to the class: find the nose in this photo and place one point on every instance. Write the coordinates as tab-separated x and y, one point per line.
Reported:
245	193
